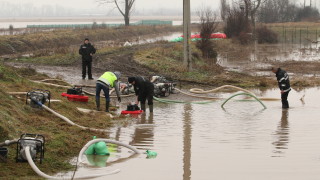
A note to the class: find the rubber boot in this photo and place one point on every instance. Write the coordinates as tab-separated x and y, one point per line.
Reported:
107	106
98	104
143	107
151	108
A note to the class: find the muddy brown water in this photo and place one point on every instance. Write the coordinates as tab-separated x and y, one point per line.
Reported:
204	142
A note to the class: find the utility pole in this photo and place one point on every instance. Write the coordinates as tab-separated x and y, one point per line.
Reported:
186	34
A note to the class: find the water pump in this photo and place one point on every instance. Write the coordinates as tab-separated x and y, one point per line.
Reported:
162	87
36	144
37	96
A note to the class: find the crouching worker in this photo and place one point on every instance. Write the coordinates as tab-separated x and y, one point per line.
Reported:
105	82
144	89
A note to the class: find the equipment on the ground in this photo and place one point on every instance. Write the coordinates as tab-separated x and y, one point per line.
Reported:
132	109
72	97
38	96
75	94
76	90
126	88
35	142
3	154
162	86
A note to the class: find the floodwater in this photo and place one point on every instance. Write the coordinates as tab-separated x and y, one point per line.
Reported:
205	142
259	56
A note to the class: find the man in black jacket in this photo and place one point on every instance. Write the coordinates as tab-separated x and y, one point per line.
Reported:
86	51
144	89
284	85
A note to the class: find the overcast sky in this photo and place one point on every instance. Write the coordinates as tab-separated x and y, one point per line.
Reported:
139	4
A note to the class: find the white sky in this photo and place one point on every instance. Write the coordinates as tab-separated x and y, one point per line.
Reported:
139	4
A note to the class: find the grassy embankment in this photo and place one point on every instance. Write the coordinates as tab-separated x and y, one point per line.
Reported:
63	141
54	45
167	57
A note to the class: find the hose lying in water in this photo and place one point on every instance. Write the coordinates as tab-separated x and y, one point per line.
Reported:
182	102
201	91
42	174
247	94
192	95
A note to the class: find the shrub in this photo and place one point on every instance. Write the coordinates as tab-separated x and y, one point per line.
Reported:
245	38
266	35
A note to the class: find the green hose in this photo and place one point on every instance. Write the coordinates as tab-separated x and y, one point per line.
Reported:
182	102
244	94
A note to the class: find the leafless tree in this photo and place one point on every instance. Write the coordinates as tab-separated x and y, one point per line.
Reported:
208	25
125	7
251	7
278	11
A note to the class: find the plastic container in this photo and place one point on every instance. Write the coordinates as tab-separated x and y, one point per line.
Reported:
72	97
132	112
151	154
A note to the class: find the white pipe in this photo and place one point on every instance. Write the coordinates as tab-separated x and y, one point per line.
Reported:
42	174
69	121
201	91
8	142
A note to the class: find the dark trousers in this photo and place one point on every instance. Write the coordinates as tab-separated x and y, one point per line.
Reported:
148	96
284	100
105	89
85	65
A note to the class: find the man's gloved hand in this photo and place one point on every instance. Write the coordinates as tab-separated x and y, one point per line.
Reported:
119	99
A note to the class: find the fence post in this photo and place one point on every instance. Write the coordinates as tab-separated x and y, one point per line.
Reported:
300	38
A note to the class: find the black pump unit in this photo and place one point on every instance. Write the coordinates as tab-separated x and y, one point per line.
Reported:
38	95
132	107
35	142
3	154
76	90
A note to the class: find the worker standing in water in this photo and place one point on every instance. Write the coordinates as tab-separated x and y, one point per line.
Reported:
86	51
144	90
105	82
284	85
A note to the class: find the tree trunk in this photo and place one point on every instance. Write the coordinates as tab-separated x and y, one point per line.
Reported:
126	20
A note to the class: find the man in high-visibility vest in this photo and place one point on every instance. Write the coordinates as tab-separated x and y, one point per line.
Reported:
105	82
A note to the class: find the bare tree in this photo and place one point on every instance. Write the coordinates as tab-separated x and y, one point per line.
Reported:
125	7
208	25
251	7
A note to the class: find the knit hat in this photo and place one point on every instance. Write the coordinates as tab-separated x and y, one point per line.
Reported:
118	74
131	79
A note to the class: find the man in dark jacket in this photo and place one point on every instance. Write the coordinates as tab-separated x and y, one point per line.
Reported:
144	89
86	51
284	85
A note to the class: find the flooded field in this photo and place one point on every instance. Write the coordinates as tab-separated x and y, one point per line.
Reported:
260	56
242	141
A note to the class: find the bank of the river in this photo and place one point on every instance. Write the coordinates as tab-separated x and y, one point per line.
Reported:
59	41
63	141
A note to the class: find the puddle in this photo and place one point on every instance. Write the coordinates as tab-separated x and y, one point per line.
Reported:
206	142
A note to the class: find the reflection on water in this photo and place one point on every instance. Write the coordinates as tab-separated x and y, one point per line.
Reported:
187	132
196	141
282	134
143	135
